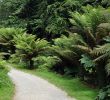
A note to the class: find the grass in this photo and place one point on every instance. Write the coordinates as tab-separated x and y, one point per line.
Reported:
73	87
6	86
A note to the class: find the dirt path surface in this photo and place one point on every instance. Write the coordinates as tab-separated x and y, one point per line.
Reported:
30	87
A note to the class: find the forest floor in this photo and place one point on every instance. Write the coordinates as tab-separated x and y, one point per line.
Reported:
30	87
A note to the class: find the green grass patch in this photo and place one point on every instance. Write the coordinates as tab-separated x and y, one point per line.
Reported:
6	86
73	86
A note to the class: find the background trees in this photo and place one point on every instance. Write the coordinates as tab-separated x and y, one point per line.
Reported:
7	9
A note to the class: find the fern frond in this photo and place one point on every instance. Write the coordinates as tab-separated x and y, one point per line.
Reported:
108	67
102	49
83	48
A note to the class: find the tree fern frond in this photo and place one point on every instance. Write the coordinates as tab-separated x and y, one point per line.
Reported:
108	67
102	49
101	57
83	48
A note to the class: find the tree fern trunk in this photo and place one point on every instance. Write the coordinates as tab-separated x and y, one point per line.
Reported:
31	64
101	74
81	73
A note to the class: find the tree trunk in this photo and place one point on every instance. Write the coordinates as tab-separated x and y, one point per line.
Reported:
12	47
81	73
101	74
31	64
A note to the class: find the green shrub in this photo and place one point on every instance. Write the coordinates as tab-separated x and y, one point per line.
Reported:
43	62
87	62
104	93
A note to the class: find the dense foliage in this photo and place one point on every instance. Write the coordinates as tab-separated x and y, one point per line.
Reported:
70	37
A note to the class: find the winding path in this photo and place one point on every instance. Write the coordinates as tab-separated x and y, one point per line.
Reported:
30	87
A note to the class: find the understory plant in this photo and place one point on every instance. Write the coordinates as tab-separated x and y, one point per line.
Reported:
104	93
28	47
6	40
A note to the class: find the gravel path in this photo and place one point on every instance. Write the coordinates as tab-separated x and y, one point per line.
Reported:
30	87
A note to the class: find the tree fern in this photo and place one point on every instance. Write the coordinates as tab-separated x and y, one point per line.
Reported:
103	52
88	22
28	47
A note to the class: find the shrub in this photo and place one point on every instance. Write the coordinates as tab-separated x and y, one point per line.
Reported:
104	93
46	62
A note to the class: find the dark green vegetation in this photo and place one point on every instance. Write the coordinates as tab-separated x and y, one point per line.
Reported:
6	86
69	37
